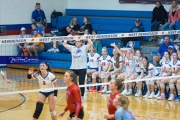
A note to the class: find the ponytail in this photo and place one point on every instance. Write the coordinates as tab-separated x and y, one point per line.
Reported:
147	66
124	101
117	61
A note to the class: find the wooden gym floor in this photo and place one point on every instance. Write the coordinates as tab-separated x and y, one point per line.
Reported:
21	106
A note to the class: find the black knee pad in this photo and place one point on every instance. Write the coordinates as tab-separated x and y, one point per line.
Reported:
38	110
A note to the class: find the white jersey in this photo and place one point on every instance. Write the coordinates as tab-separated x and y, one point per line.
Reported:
79	57
151	68
137	64
164	59
174	66
93	60
104	62
166	65
45	82
113	62
129	65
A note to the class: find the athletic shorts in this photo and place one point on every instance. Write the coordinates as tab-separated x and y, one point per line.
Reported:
81	114
139	73
157	74
93	68
47	93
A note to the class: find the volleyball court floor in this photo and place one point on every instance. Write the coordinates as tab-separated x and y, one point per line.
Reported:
21	106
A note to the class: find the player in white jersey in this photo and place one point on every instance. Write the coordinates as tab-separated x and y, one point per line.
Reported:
128	63
4	77
178	82
151	72
170	50
175	71
165	67
103	71
138	63
47	80
116	66
93	61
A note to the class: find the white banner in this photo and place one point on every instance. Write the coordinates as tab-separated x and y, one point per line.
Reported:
81	37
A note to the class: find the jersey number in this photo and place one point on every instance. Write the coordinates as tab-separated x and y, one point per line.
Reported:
127	63
103	64
44	83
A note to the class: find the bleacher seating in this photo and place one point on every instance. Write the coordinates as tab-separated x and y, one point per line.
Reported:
108	13
105	22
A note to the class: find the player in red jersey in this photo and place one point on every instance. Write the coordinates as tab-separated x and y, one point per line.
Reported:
73	97
115	86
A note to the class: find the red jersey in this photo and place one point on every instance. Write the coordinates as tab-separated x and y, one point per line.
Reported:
73	99
111	108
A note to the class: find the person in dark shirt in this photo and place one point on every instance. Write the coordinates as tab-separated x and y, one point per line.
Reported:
136	28
73	25
86	25
159	15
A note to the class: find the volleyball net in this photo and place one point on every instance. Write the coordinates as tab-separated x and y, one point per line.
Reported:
17	67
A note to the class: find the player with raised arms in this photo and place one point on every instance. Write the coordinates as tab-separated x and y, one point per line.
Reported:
138	63
73	97
47	80
4	77
129	66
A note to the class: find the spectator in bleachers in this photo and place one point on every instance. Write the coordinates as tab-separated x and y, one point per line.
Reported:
39	17
37	47
54	45
174	15
178	39
86	25
21	46
164	47
35	27
96	43
159	15
136	28
73	25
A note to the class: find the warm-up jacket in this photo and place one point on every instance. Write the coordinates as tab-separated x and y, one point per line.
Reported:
174	18
159	14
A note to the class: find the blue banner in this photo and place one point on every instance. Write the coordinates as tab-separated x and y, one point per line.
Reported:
19	60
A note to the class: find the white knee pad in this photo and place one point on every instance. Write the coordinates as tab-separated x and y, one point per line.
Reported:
171	85
93	75
151	82
139	82
53	113
158	82
148	82
104	75
113	76
178	87
162	85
